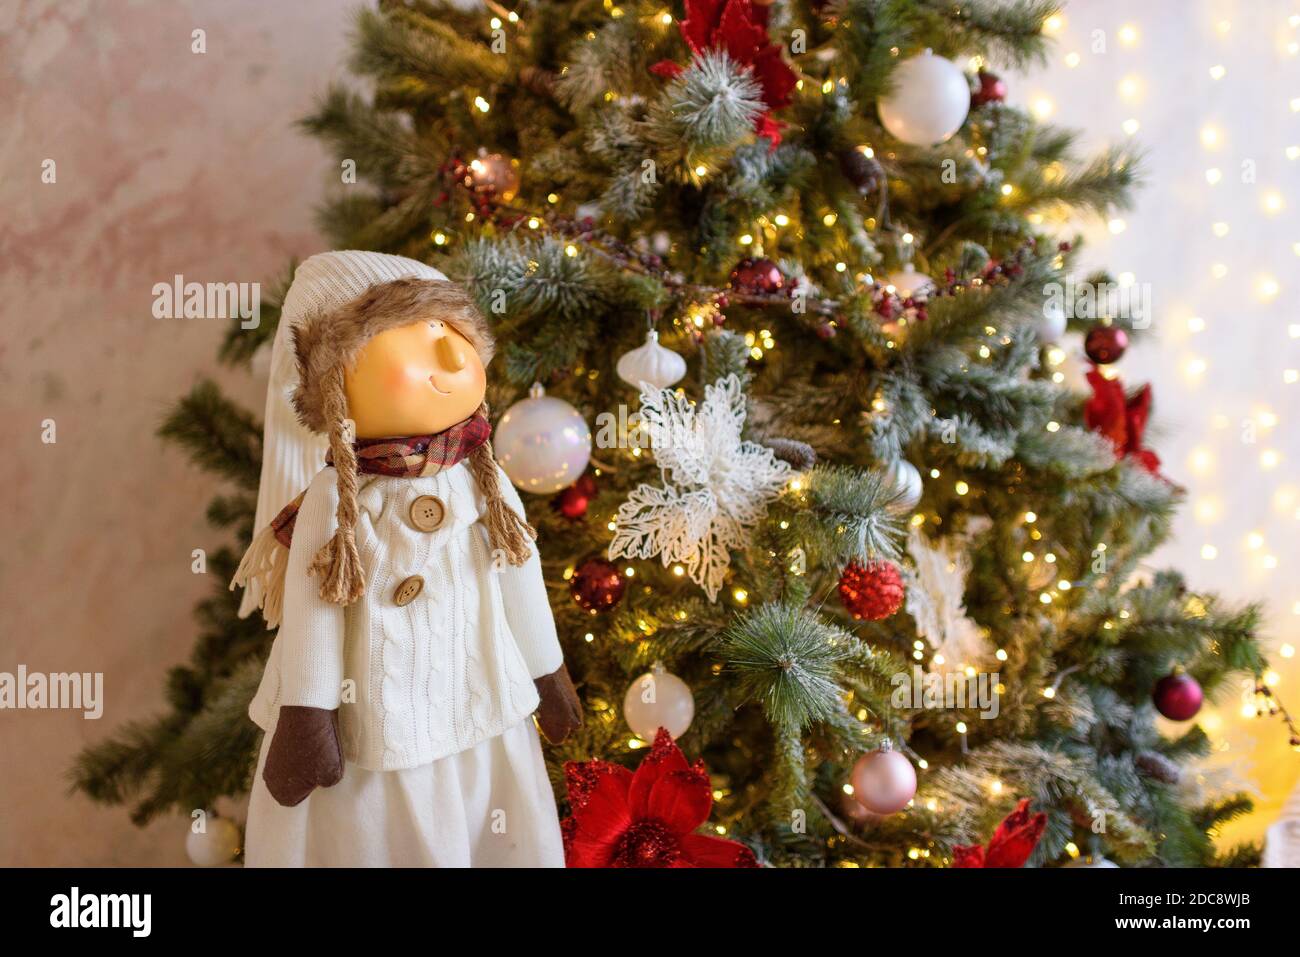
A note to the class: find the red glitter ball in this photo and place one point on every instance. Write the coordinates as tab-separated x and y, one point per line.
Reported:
873	591
757	277
597	585
572	502
991	89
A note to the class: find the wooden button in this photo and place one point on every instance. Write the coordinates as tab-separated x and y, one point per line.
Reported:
427	512
407	590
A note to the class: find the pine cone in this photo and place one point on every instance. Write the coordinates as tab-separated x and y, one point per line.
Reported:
1156	765
861	170
798	454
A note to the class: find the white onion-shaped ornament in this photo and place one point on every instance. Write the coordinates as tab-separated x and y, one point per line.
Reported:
658	699
928	102
543	443
884	781
1092	862
215	843
1051	324
909	283
904	480
651	364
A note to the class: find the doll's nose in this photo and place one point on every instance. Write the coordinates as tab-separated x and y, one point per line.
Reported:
450	353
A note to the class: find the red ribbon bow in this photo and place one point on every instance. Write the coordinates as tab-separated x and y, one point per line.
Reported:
1120	418
1011	844
646	819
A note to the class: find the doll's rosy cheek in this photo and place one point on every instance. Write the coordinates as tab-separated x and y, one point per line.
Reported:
402	377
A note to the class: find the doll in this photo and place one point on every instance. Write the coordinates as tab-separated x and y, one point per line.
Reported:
415	638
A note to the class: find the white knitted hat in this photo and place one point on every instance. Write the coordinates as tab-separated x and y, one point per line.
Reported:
292	455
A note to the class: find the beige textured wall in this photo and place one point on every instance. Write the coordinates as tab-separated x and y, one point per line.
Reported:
167	162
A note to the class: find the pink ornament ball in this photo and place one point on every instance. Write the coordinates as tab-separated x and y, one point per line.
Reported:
883	781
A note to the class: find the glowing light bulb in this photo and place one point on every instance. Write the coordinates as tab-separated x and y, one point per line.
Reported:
1273	202
1211	138
1209	552
1217	72
1213	175
1128	35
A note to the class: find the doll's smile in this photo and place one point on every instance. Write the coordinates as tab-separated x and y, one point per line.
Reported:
433	382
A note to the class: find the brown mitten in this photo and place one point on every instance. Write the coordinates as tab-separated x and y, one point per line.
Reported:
304	754
559	711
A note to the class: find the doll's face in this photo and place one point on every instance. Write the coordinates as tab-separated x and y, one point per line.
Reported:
414	380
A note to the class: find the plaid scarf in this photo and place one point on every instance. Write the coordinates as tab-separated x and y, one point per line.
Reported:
410	457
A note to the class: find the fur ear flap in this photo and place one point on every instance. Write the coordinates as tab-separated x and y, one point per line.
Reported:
326	341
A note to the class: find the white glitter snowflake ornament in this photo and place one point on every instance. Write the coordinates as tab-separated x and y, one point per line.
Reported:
716	486
936	591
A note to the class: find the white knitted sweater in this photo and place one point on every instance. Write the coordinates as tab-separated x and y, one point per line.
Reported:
434	677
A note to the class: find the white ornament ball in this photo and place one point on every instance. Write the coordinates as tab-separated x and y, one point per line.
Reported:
928	102
903	478
883	781
908	282
651	364
543	443
1051	325
216	844
658	699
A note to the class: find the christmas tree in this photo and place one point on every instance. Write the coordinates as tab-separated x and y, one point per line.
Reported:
791	264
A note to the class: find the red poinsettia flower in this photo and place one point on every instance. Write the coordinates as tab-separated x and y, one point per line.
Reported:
1011	844
739	27
1119	418
646	819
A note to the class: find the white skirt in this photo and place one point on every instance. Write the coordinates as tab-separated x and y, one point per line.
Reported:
488	806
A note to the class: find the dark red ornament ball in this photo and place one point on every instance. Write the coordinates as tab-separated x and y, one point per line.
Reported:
991	89
757	277
572	502
1105	344
873	591
597	585
1178	696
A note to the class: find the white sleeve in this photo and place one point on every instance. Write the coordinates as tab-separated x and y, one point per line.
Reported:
311	630
528	610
